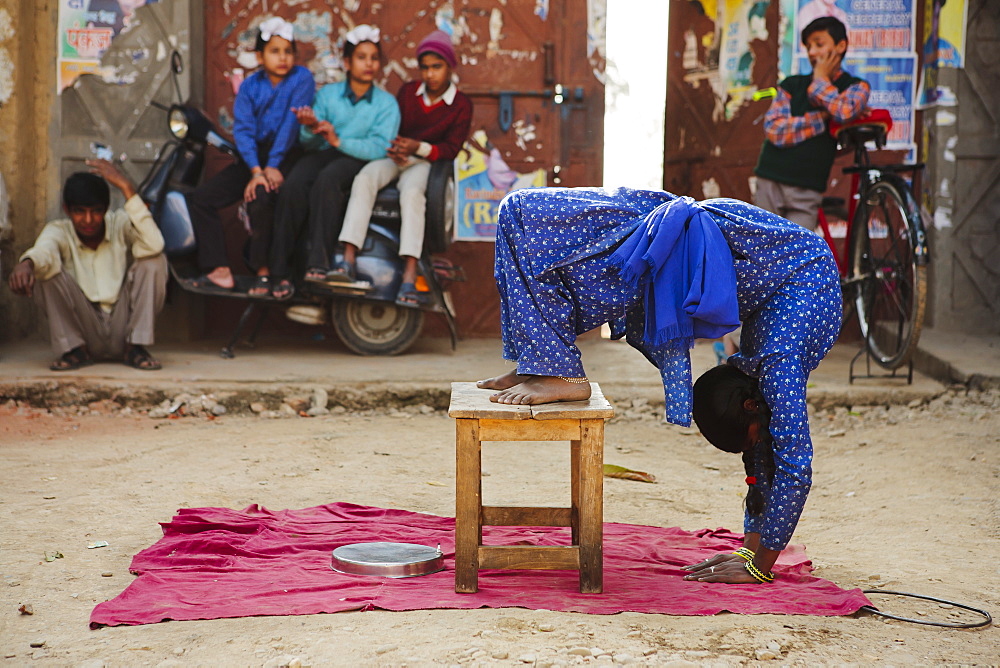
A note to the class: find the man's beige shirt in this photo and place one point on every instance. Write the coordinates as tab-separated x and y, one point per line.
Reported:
129	232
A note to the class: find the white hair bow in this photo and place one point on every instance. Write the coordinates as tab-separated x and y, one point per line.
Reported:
363	33
277	26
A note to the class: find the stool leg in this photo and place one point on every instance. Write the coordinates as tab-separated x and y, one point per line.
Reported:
574	487
591	506
468	505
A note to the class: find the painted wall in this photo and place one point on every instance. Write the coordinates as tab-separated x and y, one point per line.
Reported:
28	75
44	136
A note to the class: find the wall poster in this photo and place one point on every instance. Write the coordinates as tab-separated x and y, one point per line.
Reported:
482	179
86	28
880	51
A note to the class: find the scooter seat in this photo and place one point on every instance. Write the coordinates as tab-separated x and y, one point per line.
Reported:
386	209
439	225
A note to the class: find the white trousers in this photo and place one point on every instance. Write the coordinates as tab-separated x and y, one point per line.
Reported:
412	202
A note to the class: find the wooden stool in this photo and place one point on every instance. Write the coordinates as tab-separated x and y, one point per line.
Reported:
581	423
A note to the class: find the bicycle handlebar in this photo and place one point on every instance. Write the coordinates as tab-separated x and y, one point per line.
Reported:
765	93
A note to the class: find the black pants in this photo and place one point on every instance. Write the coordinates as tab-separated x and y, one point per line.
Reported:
225	189
315	193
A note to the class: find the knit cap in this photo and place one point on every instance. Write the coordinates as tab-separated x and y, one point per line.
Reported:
438	43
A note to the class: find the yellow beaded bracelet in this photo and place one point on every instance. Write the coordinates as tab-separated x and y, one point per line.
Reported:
746	553
758	574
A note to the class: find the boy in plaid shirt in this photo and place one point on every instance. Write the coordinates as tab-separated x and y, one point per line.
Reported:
797	155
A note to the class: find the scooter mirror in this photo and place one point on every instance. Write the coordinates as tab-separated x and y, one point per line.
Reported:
176	62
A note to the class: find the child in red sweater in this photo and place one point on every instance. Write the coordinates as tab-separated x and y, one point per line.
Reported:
435	123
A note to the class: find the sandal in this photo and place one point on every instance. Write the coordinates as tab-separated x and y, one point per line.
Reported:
138	357
206	283
342	272
408	295
315	275
283	290
261	287
73	359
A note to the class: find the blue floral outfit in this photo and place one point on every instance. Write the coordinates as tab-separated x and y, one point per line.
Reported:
558	277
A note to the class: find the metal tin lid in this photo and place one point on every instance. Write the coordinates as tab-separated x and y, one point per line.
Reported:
390	560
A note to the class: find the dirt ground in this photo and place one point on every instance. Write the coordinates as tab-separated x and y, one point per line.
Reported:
904	498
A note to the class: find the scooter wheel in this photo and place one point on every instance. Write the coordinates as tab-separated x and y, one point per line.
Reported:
440	210
376	328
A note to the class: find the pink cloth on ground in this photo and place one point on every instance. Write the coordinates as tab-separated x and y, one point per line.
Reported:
217	562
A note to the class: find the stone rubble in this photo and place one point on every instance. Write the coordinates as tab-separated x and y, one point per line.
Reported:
830	422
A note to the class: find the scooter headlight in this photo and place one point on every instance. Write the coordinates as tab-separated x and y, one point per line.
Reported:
178	123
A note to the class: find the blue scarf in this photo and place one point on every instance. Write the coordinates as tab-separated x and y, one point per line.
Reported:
681	261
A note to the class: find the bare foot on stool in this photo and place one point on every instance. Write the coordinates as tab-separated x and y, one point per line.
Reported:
506	381
542	390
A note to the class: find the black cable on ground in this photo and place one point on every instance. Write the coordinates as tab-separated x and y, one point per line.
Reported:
986	621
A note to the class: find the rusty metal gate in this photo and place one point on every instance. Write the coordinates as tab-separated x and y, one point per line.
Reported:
524	63
120	116
710	150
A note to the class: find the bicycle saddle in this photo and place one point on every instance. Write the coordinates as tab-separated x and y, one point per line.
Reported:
873	125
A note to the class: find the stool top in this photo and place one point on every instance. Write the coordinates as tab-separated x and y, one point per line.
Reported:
469	401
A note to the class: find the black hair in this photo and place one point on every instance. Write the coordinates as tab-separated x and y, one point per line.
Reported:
260	43
831	24
86	189
349	48
719	409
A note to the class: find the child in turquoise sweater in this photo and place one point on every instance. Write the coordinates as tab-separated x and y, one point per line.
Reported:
351	123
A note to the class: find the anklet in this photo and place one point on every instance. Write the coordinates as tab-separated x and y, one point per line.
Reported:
580	380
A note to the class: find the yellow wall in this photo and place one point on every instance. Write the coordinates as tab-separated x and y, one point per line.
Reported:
25	125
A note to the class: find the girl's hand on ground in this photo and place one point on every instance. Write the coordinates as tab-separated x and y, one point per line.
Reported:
274	177
713	561
716	560
250	192
731	571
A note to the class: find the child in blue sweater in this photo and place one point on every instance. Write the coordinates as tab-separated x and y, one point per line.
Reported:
265	132
351	123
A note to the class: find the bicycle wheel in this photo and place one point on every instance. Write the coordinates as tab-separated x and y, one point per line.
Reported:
888	277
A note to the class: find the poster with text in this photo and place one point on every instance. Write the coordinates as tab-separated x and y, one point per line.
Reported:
86	28
482	179
873	26
880	51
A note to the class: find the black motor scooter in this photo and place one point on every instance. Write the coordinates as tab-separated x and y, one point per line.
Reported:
364	314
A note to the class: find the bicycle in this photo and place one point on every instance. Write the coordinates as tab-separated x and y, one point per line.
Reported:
883	268
884	263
